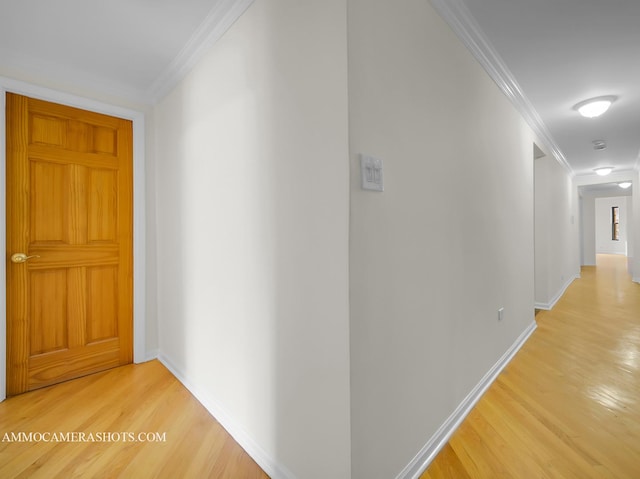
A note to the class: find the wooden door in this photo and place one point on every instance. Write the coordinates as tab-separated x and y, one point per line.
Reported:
69	208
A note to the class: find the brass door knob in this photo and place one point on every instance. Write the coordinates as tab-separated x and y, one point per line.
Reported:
22	258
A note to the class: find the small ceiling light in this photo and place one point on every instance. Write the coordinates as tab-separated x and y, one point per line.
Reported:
595	106
604	171
624	184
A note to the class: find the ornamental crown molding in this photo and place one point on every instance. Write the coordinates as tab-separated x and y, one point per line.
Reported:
213	27
459	18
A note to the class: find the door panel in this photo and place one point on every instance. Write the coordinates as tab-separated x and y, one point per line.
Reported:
69	206
49	218
48	311
102	206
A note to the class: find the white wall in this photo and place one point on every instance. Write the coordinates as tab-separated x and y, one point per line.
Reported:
557	261
630	235
604	243
252	213
588	218
151	254
449	241
635	235
541	228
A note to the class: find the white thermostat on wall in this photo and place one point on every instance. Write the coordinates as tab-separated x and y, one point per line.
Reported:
371	173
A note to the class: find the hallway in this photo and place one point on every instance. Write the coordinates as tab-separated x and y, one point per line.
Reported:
568	405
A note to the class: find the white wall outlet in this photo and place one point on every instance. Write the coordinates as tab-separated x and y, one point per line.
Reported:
500	314
371	173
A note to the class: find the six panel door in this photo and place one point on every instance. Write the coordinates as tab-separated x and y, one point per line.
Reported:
69	215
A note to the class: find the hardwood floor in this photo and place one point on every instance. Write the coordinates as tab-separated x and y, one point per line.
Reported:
568	405
185	441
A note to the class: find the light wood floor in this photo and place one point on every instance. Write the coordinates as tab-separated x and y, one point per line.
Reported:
568	405
134	399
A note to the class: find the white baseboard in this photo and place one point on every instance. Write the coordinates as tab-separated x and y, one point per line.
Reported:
636	279
151	355
264	460
431	449
556	298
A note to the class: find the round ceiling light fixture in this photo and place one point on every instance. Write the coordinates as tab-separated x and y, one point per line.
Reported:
624	184
604	171
595	106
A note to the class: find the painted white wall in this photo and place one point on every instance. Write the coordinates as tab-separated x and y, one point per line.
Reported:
604	243
541	228
557	261
151	257
630	235
449	241
252	211
588	219
635	235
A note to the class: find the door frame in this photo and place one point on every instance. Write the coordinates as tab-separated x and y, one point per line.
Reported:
139	208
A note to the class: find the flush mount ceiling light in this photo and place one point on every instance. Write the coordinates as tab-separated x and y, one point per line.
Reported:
604	171
624	184
595	106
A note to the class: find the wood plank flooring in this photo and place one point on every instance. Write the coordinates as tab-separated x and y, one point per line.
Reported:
185	442
568	405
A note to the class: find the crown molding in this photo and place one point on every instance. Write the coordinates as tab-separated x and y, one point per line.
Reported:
459	18
220	18
222	15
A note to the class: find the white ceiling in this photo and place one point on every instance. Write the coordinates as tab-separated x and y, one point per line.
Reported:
130	48
604	190
559	52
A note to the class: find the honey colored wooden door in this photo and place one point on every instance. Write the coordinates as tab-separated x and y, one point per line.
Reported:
69	210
